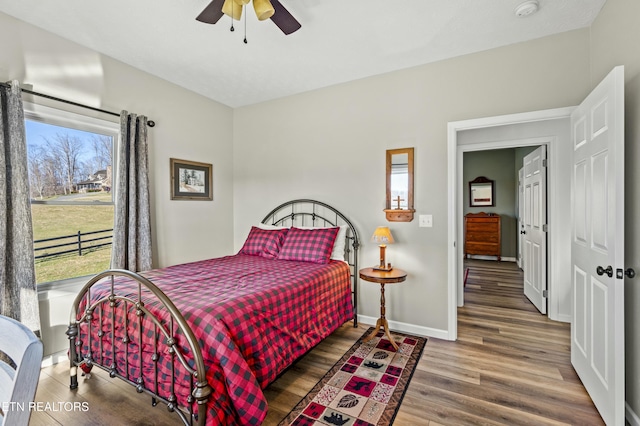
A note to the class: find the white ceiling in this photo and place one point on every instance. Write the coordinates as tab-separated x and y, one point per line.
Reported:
340	40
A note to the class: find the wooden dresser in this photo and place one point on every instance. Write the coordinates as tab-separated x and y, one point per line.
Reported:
482	234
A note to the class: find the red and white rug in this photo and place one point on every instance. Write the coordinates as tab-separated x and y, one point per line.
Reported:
365	387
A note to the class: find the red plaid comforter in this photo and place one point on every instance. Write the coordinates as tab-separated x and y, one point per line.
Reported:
252	316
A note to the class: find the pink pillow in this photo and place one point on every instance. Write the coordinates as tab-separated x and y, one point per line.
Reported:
263	242
309	245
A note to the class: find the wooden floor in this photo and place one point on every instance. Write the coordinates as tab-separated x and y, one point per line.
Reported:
509	366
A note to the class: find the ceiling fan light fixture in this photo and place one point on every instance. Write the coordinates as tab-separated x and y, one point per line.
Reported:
241	2
264	9
230	8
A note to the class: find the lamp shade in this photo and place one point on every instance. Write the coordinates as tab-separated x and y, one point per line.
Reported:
241	2
264	9
231	8
382	235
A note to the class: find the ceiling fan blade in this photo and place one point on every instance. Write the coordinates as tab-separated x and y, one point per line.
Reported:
283	19
212	13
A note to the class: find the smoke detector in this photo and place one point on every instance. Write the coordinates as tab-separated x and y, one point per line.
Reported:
527	8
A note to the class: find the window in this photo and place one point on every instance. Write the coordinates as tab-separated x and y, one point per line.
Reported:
70	160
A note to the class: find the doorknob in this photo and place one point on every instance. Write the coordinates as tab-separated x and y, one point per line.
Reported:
523	232
601	271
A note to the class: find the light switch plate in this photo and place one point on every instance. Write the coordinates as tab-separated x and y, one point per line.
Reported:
425	221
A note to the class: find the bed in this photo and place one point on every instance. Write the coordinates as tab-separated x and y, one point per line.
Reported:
205	338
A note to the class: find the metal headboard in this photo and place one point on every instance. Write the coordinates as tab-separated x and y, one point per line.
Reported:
305	212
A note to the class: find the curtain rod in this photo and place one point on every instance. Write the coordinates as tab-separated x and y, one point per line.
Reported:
150	123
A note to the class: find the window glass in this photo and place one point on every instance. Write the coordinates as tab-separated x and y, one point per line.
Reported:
70	161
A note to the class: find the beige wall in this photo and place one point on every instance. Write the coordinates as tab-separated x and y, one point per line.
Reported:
189	127
615	37
330	144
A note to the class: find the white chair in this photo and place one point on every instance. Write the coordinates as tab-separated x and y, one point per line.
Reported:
18	386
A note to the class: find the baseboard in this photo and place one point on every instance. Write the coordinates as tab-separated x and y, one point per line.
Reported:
632	417
502	259
408	328
562	318
55	358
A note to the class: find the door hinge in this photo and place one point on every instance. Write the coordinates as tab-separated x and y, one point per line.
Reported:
545	293
545	228
545	162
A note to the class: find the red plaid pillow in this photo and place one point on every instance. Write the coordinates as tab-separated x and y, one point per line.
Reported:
264	242
309	245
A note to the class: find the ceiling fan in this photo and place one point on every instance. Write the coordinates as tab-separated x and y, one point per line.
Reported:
265	9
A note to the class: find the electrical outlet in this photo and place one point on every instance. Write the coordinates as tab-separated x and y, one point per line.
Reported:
425	221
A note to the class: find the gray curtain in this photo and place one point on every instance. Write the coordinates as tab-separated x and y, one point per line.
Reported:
132	224
18	293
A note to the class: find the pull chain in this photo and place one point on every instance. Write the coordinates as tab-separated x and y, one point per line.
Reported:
245	27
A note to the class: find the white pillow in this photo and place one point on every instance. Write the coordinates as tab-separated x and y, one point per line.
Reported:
338	247
265	226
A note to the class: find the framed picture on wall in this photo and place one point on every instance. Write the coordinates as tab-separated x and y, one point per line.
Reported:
191	180
481	192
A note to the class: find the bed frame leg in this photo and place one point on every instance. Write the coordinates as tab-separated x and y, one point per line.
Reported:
74	381
72	333
201	393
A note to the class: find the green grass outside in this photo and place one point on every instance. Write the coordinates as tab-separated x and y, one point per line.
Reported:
51	221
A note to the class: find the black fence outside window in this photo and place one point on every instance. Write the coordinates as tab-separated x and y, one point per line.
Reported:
77	245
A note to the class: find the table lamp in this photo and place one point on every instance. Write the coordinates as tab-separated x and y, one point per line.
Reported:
382	235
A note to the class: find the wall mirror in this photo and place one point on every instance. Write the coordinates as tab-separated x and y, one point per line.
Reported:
482	192
400	185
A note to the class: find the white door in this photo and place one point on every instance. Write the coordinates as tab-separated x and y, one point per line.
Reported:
597	247
520	215
535	222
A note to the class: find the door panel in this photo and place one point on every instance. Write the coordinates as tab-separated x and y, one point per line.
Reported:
580	203
579	326
535	238
536	208
600	326
597	187
520	216
599	210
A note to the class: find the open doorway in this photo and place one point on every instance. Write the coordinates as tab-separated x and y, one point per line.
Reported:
501	166
494	231
550	128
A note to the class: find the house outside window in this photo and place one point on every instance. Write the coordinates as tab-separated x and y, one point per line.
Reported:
70	161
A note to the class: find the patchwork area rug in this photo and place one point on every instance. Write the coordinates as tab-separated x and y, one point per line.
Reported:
365	387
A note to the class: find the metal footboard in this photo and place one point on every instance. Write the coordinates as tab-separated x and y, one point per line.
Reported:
164	338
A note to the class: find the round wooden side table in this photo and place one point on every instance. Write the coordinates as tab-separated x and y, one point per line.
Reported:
393	276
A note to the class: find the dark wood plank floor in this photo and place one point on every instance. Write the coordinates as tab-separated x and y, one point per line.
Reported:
509	366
